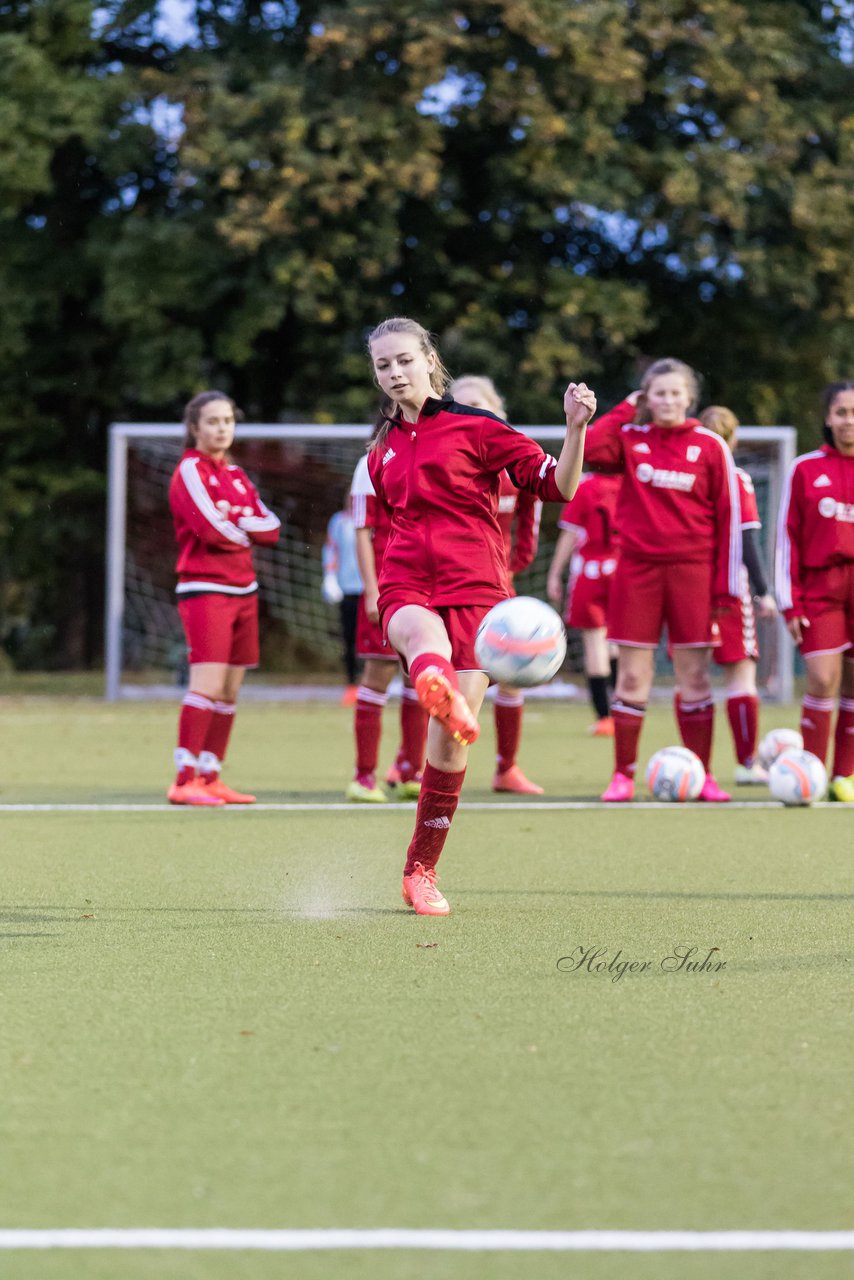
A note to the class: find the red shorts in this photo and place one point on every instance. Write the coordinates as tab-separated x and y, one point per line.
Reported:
589	592
646	594
461	623
829	608
734	632
221	628
370	641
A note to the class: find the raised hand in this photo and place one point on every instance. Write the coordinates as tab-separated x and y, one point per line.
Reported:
579	404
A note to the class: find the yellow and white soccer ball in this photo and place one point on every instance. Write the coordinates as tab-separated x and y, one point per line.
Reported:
521	642
777	741
676	774
797	778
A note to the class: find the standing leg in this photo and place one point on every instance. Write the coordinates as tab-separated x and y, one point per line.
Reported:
597	667
634	682
508	708
367	727
824	678
742	705
212	757
696	711
842	787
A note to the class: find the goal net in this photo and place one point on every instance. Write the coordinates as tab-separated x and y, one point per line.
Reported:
303	473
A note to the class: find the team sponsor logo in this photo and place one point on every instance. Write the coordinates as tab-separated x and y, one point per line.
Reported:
247	511
833	510
661	478
387	457
441	824
643	447
822	482
224	507
634	426
693	452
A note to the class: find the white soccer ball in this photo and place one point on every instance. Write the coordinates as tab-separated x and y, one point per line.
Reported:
675	773
777	741
521	642
797	777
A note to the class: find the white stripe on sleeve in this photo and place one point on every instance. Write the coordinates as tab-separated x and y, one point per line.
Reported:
195	487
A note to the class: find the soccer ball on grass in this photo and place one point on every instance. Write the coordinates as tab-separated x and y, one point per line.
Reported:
797	778
521	642
777	741
675	773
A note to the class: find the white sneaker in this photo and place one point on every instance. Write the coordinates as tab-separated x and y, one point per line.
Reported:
751	775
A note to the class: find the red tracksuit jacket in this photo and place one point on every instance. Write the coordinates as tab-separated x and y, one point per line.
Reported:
519	520
218	515
440	478
591	513
679	496
816	525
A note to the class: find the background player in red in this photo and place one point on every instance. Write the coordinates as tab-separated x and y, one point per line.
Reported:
381	664
519	519
218	515
588	545
680	554
737	650
815	583
436	466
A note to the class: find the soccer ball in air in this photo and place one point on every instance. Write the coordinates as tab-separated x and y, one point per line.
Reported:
797	777
521	642
775	742
675	773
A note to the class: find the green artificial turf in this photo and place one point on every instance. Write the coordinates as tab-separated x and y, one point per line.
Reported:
230	1019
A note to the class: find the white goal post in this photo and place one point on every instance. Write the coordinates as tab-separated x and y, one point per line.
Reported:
303	470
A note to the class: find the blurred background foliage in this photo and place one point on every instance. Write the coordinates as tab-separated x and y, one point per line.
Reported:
229	193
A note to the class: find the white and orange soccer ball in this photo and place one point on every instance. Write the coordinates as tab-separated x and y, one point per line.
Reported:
797	778
777	741
521	642
675	773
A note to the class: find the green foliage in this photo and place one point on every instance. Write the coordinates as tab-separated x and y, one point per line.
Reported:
555	189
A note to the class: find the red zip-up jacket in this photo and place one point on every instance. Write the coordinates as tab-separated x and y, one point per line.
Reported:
218	515
440	478
679	496
815	529
591	513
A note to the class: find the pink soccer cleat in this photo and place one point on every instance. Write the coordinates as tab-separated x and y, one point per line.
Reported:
712	793
620	789
421	892
513	779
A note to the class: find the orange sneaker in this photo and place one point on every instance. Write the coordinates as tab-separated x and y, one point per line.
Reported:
194	792
513	779
349	696
446	704
421	892
216	787
603	728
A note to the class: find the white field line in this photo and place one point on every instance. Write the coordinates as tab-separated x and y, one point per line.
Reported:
289	1241
485	806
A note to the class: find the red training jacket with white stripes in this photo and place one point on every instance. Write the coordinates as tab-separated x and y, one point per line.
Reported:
439	477
519	515
218	516
679	496
815	529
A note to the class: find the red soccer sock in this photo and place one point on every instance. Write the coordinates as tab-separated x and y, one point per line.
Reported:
628	722
193	725
743	712
425	660
508	728
816	717
367	725
413	735
216	740
696	722
843	742
437	804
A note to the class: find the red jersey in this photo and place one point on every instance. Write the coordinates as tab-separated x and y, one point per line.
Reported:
591	514
747	501
368	512
439	478
519	519
679	496
218	515
816	524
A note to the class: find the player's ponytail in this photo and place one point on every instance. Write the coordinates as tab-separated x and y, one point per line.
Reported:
667	365
828	395
439	377
722	421
193	409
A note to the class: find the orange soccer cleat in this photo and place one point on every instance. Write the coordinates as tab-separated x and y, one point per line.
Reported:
349	696
446	704
216	787
195	793
513	779
603	728
619	790
421	892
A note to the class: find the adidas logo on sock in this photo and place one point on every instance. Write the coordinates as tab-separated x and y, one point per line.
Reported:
441	824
